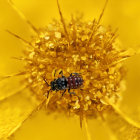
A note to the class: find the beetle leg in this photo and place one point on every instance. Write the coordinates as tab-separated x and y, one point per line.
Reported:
54	73
70	92
48	94
75	74
63	92
81	89
61	72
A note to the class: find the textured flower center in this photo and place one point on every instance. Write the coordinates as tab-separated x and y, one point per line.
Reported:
88	49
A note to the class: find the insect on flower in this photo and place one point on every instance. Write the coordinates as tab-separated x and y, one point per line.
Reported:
88	48
74	81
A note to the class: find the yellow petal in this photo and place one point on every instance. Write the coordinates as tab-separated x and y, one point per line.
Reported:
121	125
13	112
10	86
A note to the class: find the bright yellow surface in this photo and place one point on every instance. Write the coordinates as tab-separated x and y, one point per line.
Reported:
122	14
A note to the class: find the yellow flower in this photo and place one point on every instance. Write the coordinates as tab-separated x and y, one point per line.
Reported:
70	46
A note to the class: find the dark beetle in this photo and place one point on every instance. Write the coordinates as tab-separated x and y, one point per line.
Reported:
74	81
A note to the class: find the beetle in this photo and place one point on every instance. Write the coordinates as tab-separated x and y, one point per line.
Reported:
74	81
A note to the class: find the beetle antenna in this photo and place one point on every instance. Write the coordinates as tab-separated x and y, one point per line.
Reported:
46	81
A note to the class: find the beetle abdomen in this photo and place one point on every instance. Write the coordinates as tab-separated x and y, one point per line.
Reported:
74	81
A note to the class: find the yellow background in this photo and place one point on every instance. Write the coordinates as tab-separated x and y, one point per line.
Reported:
124	14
